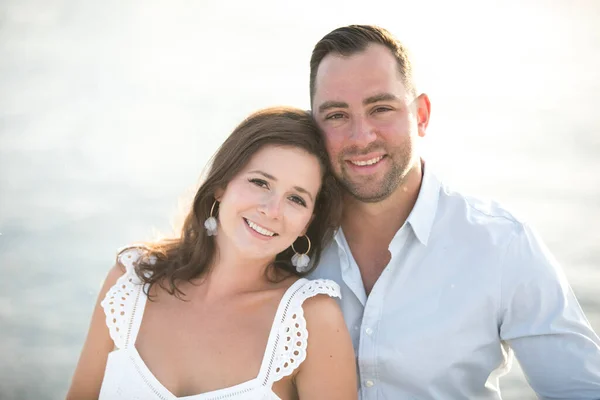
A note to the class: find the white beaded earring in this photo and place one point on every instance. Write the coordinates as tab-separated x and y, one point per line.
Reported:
301	261
211	222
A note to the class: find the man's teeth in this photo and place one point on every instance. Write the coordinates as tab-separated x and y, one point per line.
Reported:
259	229
368	162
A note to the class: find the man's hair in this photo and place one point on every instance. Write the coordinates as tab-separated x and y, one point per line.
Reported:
352	39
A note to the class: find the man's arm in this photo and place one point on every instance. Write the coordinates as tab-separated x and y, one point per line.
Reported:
544	324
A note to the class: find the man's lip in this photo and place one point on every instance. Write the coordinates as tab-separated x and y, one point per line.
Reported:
364	158
356	163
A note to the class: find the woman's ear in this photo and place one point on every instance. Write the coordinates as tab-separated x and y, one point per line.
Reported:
219	194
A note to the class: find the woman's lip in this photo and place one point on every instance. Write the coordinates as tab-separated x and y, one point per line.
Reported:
246	222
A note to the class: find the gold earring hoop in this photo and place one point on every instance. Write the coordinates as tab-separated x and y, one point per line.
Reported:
307	250
301	260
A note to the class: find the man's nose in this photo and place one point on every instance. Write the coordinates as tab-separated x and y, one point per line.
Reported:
362	132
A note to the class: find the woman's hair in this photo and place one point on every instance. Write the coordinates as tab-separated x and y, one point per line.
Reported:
189	256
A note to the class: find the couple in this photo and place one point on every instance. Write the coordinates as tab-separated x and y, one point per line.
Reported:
437	289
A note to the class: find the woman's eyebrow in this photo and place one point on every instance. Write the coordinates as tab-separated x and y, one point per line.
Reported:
271	177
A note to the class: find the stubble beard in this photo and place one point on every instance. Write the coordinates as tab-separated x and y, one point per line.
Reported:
368	191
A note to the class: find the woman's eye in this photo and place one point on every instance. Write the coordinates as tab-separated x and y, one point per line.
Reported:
298	200
259	182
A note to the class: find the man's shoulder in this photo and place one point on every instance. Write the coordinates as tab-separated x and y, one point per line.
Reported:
329	264
459	210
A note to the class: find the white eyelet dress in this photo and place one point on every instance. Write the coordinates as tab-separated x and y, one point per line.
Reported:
127	377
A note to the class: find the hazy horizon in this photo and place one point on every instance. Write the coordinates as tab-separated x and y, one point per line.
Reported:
110	110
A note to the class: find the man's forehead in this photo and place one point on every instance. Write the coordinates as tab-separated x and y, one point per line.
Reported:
372	57
353	88
370	67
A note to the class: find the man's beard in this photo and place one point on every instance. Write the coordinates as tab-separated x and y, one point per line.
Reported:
368	191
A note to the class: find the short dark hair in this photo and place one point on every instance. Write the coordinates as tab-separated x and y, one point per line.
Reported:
189	256
352	39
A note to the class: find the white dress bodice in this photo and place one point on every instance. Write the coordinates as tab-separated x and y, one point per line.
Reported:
127	376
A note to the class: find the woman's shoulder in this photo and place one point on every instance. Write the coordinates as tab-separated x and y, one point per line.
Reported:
118	300
129	256
319	299
312	302
312	288
313	299
320	346
125	262
311	310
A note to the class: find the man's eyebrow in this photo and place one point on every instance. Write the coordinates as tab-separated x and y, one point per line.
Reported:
380	97
332	104
271	177
369	100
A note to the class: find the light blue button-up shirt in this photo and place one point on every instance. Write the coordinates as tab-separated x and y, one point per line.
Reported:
467	284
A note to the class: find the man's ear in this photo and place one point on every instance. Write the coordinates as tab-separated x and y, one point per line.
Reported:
423	113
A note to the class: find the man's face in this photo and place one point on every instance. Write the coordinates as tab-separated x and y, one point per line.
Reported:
370	121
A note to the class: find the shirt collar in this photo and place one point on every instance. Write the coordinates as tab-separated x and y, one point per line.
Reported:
422	216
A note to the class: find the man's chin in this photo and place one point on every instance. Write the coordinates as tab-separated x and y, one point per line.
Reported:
373	194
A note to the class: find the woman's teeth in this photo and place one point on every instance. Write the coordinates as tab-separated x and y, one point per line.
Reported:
259	229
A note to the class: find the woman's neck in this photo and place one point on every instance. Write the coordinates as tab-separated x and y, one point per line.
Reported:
232	273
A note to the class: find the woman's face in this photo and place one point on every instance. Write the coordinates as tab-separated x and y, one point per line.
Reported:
269	203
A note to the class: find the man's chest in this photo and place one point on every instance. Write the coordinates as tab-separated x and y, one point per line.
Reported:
423	329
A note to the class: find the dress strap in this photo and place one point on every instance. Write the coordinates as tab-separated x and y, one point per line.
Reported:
286	348
124	303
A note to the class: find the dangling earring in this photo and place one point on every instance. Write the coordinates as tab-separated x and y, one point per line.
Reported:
301	261
211	222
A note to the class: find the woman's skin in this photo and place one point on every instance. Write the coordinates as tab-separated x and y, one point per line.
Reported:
216	338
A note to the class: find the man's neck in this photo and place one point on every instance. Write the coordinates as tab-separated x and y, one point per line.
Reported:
370	227
379	222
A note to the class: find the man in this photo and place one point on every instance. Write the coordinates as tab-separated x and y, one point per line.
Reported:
438	289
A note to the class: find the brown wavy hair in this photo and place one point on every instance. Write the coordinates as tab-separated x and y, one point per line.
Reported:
190	255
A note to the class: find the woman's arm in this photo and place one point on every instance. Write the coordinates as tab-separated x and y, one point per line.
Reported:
89	372
329	370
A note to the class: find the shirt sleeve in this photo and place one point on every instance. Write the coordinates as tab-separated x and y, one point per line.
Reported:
543	323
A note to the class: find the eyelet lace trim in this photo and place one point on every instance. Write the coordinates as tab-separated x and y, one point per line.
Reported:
287	352
120	301
292	339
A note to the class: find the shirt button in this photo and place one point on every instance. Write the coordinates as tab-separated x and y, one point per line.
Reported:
369	331
369	383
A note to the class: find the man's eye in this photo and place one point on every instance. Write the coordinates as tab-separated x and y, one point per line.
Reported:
259	182
381	109
335	116
298	200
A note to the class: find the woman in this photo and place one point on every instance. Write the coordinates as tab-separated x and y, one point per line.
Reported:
222	312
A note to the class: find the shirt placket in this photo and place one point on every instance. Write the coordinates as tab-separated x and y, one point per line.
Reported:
368	344
370	339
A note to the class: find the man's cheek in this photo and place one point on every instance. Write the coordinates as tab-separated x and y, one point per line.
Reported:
333	144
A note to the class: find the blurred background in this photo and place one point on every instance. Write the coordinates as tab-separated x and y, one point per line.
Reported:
110	109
